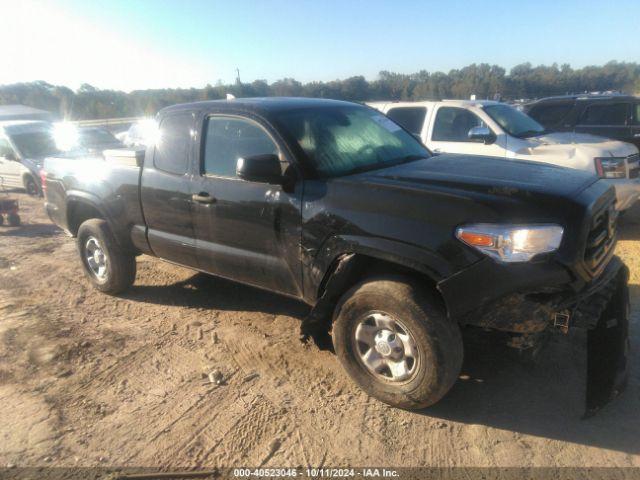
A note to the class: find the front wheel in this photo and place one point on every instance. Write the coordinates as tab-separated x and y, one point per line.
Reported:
394	340
108	268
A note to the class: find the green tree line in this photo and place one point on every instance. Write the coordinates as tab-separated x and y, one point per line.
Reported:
483	80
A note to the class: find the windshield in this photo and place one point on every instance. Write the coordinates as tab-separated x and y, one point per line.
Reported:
95	136
38	144
513	121
344	140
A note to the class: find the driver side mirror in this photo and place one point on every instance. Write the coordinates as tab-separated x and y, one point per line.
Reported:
481	134
260	168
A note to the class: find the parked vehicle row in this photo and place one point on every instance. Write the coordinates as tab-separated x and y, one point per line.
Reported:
24	144
339	206
613	116
496	129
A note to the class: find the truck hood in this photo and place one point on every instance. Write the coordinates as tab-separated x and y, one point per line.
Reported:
566	145
488	175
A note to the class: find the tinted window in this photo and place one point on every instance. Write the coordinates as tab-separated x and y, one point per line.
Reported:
228	139
34	144
549	115
411	118
453	124
96	136
513	121
172	146
637	114
605	114
345	140
5	148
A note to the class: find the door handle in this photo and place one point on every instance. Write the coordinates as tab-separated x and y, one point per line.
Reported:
203	197
637	135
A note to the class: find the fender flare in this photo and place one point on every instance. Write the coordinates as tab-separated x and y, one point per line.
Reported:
402	254
342	260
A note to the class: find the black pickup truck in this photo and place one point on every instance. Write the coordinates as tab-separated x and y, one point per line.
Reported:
394	249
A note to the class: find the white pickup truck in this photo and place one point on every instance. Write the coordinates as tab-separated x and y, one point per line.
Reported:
496	129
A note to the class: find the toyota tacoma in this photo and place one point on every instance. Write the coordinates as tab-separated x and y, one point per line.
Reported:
394	249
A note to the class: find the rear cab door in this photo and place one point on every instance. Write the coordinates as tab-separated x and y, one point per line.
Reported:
165	190
246	231
448	132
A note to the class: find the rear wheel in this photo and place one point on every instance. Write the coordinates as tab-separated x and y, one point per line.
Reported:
396	343
108	268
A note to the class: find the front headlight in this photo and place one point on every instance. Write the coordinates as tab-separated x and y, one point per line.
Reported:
511	243
611	167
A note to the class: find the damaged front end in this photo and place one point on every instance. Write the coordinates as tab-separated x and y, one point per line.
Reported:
602	308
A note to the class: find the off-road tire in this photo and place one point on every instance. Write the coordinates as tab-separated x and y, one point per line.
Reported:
120	266
13	219
437	338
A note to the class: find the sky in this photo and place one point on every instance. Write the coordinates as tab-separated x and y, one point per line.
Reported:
140	44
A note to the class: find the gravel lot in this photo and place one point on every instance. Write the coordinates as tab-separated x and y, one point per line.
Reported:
87	379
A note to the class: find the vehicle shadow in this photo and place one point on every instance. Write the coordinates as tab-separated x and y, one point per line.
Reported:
30	230
545	398
206	291
497	388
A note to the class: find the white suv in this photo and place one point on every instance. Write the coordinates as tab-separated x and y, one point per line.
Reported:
23	146
496	129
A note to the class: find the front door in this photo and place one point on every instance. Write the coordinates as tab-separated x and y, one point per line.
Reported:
450	134
246	231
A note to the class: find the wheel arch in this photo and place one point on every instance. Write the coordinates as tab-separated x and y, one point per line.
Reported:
348	267
81	208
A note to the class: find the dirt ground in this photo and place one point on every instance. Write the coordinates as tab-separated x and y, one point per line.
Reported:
87	379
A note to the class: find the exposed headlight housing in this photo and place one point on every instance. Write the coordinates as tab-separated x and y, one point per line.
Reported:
611	167
511	243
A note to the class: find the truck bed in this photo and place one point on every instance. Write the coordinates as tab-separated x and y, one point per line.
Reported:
110	184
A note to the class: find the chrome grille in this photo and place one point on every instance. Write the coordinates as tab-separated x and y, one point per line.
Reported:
601	238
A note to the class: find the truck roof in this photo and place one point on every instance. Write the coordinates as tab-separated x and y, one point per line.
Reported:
587	96
265	104
427	103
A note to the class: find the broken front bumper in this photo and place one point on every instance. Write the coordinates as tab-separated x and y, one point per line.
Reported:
600	307
608	347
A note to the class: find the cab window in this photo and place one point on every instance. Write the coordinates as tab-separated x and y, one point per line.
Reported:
172	147
549	115
452	124
5	148
411	118
605	114
229	138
